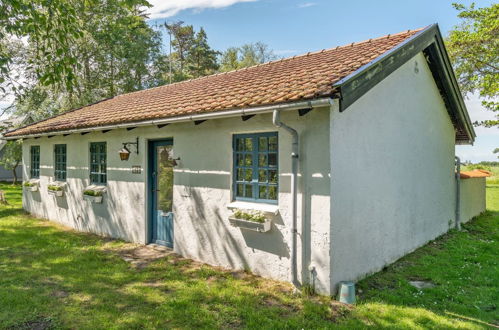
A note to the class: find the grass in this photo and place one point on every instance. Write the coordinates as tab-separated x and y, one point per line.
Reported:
52	277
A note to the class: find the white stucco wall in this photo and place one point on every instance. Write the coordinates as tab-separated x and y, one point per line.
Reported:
392	181
473	199
201	193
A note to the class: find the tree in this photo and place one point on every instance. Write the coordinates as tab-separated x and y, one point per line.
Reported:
192	56
51	27
202	59
116	54
474	48
12	157
183	39
496	151
230	59
246	55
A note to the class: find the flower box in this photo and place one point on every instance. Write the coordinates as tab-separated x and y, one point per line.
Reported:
250	225
93	199
94	193
56	189
57	193
31	185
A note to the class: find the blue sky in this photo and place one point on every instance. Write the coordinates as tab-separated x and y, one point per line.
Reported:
293	27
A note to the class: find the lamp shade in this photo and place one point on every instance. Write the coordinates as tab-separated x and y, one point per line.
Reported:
124	153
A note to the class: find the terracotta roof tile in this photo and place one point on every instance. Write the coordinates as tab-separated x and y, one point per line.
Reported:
475	174
297	78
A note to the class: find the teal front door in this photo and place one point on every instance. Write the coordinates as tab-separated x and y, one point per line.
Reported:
161	204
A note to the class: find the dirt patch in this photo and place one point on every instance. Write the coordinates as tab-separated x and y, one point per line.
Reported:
142	255
340	311
37	324
241	275
421	285
60	294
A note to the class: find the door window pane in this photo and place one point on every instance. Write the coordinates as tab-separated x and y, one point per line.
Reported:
164	178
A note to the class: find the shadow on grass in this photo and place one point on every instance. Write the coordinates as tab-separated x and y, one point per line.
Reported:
67	276
47	273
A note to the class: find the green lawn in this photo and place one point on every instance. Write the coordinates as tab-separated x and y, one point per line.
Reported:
51	277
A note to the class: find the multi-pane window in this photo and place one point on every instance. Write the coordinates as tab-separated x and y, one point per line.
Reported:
255	167
60	162
35	162
98	163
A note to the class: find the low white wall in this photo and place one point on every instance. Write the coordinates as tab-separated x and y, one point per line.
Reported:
392	172
472	201
202	190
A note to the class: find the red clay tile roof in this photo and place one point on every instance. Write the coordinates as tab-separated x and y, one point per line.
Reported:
299	78
475	174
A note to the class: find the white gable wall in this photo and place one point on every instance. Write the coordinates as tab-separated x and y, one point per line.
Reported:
392	164
203	182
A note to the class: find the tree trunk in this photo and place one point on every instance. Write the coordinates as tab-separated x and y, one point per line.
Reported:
15	174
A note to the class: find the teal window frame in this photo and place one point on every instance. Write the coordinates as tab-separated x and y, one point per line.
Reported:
256	167
98	163
60	158
34	162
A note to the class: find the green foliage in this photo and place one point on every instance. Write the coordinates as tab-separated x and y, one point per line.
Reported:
474	48
114	54
28	184
250	216
12	156
247	55
51	27
91	192
53	187
192	56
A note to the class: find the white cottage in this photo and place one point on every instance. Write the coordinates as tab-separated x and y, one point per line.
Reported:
313	169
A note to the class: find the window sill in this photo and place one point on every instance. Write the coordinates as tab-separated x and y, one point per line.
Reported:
262	207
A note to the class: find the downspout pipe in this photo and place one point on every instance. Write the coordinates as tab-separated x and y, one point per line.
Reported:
458	193
294	193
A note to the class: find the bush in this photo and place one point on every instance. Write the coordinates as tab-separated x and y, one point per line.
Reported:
478	167
28	184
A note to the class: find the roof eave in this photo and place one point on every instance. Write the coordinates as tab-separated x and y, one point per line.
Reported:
311	103
430	42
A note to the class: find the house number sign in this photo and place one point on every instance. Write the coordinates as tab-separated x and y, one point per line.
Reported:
136	169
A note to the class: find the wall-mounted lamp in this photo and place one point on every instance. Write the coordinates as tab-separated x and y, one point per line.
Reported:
125	152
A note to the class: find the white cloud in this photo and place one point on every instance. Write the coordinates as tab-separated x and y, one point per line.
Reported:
168	8
306	4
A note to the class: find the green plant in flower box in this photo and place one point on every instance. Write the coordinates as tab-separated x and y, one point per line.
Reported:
250	216
54	187
94	193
